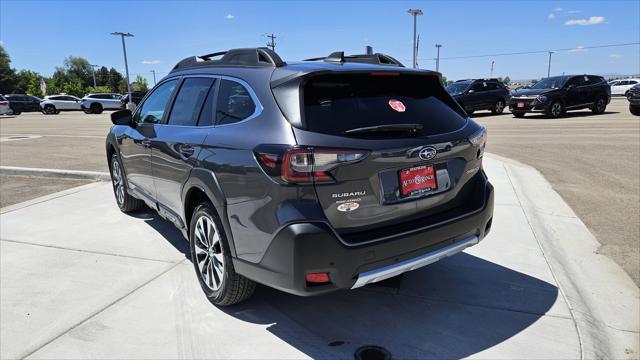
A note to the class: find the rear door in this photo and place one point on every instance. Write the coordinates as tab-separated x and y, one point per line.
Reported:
135	144
402	173
477	96
178	141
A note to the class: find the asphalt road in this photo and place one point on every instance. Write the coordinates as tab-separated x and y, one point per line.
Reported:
592	161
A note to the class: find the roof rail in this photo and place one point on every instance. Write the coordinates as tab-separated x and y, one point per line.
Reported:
261	56
377	58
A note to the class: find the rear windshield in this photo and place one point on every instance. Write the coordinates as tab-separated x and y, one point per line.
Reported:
334	104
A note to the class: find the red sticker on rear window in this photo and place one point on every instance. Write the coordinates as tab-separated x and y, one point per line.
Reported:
397	105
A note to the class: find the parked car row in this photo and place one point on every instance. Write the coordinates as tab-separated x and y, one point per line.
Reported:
553	96
53	104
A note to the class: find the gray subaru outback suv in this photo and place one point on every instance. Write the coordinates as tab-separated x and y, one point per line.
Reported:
308	177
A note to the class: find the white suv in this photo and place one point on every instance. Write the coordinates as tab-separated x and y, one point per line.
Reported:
53	104
4	106
95	103
620	86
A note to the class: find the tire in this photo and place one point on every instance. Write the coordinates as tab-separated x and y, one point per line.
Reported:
498	107
125	201
86	110
218	279
634	110
518	114
96	108
469	112
16	112
600	106
49	110
555	110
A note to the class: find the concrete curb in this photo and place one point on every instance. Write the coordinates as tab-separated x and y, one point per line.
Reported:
604	301
75	174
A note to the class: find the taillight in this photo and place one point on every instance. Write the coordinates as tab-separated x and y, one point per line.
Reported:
304	165
2	103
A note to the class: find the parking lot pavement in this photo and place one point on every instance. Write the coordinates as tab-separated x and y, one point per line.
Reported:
16	188
81	280
592	161
69	141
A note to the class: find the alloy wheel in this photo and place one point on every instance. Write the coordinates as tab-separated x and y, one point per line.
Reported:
600	105
499	107
118	182
208	251
556	109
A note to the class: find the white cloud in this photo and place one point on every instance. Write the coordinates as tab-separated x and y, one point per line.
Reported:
551	16
594	20
614	58
558	9
578	49
229	17
151	62
573	12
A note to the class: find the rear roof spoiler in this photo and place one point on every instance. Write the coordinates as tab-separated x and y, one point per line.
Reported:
261	57
341	58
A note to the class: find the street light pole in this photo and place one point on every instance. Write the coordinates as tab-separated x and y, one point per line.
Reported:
154	77
438	46
549	67
126	65
93	72
491	73
415	13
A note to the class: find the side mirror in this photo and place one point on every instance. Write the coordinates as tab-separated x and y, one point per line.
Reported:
122	117
471	91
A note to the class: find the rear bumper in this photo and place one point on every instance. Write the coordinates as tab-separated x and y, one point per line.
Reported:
302	248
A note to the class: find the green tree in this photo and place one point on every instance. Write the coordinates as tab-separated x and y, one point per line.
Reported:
74	88
28	83
102	77
79	69
506	80
98	89
115	78
8	77
534	81
140	84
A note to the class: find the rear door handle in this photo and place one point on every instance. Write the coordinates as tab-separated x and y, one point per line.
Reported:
186	150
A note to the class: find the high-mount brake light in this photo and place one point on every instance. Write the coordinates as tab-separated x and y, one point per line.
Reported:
304	165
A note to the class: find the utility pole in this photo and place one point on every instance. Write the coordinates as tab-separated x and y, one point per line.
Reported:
438	46
491	74
126	65
415	13
93	72
549	67
154	77
272	43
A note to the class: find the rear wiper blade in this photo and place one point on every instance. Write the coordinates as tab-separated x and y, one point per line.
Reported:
410	128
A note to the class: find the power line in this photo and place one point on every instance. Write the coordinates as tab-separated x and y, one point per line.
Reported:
534	52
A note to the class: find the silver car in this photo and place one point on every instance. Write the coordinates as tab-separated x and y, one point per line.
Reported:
96	103
4	106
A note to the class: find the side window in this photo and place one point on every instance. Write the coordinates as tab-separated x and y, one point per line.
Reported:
234	103
153	108
477	87
188	103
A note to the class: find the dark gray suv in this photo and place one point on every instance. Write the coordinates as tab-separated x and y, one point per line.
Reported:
307	177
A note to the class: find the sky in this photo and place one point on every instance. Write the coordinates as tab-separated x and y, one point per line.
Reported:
38	35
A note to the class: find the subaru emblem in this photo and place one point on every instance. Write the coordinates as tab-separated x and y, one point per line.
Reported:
427	153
